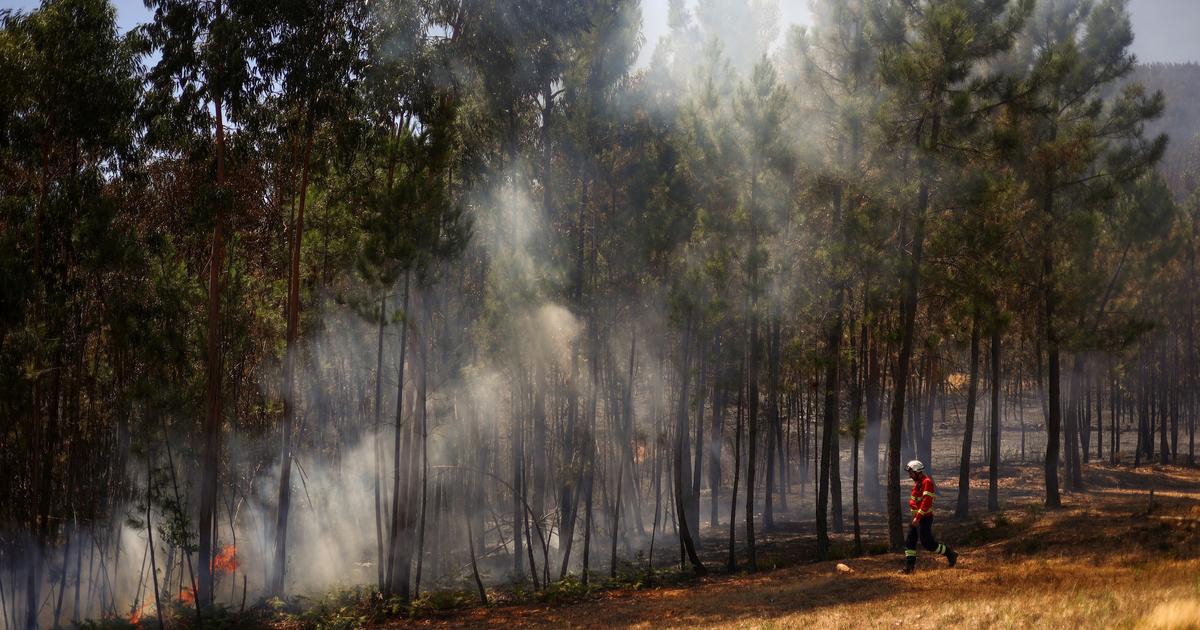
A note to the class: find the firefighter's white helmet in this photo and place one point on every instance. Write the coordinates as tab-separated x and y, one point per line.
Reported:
915	466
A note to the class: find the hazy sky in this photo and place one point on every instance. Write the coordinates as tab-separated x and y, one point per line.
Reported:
1166	30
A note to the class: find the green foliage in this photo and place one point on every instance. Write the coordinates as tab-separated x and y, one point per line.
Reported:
441	601
568	589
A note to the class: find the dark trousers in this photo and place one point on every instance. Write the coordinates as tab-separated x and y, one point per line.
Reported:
924	533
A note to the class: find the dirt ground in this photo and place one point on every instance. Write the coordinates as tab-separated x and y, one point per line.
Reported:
1115	556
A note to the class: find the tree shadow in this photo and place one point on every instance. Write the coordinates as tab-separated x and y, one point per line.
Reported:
757	597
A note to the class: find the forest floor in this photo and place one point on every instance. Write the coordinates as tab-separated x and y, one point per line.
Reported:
1114	556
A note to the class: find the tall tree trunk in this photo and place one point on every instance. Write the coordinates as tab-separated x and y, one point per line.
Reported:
379	509
518	482
899	398
1193	369
775	441
924	420
874	413
681	472
1164	450
835	475
833	344
625	452
715	442
290	391
752	422
964	466
421	428
206	513
398	561
858	547
769	469
568	497
1099	417
1050	305
539	440
776	413
1075	479
693	499
731	563
994	463
1114	417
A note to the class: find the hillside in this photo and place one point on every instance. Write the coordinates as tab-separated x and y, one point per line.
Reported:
1180	84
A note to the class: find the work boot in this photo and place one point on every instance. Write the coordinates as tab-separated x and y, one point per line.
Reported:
951	557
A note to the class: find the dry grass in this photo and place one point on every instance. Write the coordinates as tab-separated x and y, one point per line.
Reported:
1110	559
1183	614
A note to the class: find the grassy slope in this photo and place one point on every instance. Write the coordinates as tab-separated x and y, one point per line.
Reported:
1110	558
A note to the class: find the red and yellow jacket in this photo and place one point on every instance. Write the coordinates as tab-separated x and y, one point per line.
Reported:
921	502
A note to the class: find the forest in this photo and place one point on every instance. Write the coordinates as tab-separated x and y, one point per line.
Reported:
427	299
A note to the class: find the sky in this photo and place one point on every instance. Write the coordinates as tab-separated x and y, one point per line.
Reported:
1165	30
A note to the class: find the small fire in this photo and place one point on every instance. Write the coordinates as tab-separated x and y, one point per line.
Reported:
226	560
136	617
187	595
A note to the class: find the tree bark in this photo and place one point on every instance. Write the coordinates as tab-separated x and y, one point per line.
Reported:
964	466
290	390
398	562
833	342
731	563
899	399
681	472
874	413
994	463
206	512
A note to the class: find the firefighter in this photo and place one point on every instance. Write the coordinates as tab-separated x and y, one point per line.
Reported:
921	504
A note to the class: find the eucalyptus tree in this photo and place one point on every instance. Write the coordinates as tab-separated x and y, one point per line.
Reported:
207	51
395	87
67	128
411	223
313	55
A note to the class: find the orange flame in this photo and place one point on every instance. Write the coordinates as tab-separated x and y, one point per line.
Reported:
136	617
187	595
226	560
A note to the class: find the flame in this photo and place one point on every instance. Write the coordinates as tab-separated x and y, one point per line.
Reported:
187	595
136	616
226	560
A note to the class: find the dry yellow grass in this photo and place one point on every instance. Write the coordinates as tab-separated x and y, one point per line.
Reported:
1181	614
1110	559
